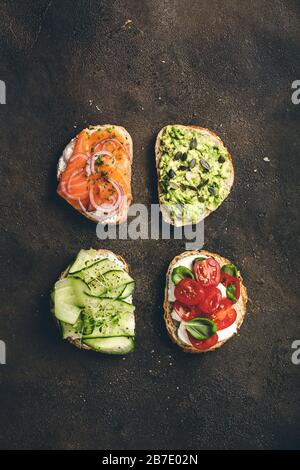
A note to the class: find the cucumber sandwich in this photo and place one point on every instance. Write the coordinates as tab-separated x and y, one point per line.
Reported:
92	303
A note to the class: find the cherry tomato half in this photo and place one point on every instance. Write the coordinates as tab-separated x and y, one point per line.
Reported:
207	272
184	312
227	280
205	343
188	292
210	302
225	315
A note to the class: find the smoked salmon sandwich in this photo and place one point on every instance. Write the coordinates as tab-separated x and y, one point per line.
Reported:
94	173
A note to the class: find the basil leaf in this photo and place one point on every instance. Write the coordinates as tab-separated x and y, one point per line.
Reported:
230	269
180	272
199	258
230	291
201	328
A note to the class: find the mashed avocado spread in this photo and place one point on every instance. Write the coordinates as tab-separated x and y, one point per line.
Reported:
193	172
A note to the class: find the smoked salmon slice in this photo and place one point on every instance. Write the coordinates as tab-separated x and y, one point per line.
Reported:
94	173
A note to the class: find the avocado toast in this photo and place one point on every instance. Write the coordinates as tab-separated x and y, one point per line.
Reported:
92	303
195	173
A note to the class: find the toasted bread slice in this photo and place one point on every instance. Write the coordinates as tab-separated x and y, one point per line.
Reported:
240	306
122	216
77	342
229	182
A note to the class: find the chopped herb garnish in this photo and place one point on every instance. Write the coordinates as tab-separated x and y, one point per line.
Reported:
99	161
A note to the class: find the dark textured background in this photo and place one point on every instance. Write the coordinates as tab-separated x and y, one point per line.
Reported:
227	65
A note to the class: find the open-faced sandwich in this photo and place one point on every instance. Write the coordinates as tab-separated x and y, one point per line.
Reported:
92	303
195	173
205	301
94	173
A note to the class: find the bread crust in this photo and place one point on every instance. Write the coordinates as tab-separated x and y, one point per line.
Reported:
123	215
77	342
171	326
228	182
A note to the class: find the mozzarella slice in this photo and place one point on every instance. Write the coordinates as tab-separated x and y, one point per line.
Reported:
175	316
227	332
182	334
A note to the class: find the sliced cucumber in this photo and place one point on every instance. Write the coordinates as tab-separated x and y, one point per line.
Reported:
69	299
97	269
120	345
97	306
81	290
113	294
84	259
73	289
86	327
104	277
97	287
64	287
111	285
117	278
129	288
65	303
66	312
112	325
69	331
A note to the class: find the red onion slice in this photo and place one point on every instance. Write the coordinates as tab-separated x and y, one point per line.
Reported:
116	143
82	207
105	210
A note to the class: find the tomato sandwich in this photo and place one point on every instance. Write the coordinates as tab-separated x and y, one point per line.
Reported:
205	301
